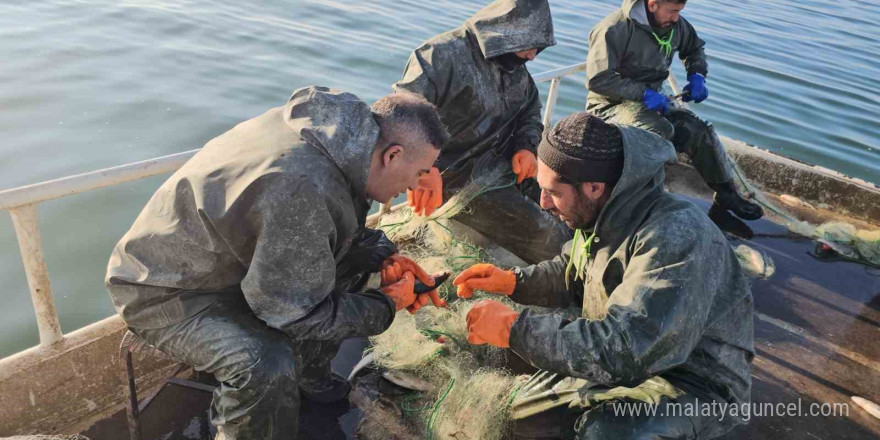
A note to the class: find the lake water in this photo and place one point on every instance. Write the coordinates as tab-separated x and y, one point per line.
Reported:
90	84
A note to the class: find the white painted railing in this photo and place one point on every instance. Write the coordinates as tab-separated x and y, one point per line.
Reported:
22	204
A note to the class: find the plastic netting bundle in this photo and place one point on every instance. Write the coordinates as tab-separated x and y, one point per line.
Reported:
470	389
757	264
851	243
859	244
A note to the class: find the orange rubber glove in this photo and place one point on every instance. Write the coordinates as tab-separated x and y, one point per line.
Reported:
422	299
525	165
484	276
429	194
401	292
489	322
396	265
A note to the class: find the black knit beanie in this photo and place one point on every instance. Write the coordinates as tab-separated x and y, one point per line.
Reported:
583	148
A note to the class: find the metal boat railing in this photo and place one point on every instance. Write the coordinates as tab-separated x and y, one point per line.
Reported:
22	204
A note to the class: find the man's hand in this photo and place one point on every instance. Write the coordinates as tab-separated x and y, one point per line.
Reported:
396	265
428	196
655	101
401	292
422	300
696	88
525	165
489	322
486	277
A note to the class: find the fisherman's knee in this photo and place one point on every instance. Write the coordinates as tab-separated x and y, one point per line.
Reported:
689	126
637	115
270	365
656	124
661	127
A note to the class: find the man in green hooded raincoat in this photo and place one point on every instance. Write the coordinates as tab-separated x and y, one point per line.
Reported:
666	307
628	61
476	76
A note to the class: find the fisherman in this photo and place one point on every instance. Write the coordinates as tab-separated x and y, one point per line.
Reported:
666	307
476	76
249	262
629	58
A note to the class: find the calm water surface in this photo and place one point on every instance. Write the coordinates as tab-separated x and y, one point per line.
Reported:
90	84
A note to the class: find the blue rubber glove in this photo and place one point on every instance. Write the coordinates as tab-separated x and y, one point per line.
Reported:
696	88
655	101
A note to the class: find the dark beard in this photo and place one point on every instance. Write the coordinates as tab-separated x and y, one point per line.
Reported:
585	211
653	23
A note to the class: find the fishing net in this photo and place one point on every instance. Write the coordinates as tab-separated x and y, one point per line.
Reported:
469	387
757	264
857	243
845	239
470	391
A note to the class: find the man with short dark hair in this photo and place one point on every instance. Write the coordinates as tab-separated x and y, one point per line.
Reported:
476	76
666	307
249	262
628	61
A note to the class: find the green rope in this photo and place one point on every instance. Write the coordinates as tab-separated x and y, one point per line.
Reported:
406	405
433	417
431	333
512	396
665	43
578	253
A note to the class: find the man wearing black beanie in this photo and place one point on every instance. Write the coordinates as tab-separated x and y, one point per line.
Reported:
666	308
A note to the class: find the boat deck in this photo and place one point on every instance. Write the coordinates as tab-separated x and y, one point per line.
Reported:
816	331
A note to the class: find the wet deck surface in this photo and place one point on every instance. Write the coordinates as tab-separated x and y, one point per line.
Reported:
817	336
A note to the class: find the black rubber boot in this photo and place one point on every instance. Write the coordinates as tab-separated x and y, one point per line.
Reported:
727	222
728	198
327	389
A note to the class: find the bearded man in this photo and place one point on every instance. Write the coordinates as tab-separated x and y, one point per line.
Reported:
666	308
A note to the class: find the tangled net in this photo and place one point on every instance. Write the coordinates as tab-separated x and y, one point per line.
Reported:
850	243
470	391
757	264
469	387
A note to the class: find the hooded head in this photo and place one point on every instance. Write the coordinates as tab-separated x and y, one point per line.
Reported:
510	26
588	168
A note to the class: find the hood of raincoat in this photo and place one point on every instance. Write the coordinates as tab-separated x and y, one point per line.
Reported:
268	211
337	124
635	10
489	109
644	158
507	26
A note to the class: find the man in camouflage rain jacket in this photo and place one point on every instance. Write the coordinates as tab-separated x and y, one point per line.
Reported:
628	61
246	262
476	76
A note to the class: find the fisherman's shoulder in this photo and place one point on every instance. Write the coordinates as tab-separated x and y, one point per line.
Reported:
615	20
307	170
615	24
685	26
450	44
676	220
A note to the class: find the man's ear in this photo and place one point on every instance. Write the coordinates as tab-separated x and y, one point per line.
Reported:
593	190
392	153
